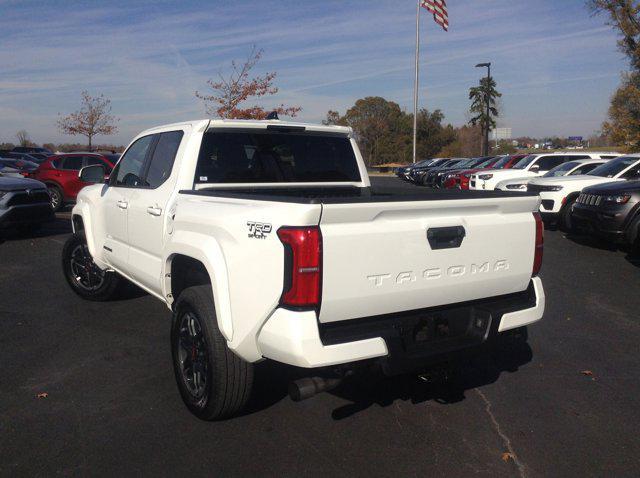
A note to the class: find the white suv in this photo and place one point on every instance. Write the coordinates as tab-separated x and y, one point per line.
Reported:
572	168
559	194
530	166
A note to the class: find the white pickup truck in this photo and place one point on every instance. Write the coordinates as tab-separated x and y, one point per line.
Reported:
266	241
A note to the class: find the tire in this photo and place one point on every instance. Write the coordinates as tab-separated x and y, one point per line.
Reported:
57	198
83	276
564	221
228	379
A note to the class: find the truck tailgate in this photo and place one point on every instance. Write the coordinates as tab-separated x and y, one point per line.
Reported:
377	258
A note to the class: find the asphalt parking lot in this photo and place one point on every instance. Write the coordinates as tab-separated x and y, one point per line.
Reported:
88	389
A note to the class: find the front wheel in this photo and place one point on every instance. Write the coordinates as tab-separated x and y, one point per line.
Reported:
55	197
83	275
565	216
213	381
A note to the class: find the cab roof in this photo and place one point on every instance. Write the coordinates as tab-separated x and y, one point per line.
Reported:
257	124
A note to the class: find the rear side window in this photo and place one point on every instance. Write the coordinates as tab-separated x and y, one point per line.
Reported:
585	169
71	162
549	162
264	156
93	160
130	168
163	158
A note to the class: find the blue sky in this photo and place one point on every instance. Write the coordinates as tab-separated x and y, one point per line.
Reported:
555	64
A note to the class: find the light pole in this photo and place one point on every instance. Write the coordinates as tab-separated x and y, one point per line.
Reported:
485	146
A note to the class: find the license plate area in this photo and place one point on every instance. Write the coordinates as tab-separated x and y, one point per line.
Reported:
444	331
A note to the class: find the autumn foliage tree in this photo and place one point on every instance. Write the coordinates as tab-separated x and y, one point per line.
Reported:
230	91
92	119
623	126
384	131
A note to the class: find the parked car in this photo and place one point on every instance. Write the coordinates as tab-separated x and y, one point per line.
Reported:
435	177
23	156
403	172
460	179
19	164
610	211
416	173
559	194
264	237
40	156
24	204
419	175
572	168
60	174
31	149
530	166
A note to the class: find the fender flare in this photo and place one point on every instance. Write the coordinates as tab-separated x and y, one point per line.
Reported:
207	250
81	211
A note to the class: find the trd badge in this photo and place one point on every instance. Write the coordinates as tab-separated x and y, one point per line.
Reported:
258	230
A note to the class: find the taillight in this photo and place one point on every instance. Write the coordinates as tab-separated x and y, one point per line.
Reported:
302	266
537	258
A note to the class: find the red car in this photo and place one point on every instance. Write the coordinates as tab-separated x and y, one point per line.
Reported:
460	180
60	174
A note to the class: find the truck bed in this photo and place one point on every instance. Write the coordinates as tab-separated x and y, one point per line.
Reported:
348	194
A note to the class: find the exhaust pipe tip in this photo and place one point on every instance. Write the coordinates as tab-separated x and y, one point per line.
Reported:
305	388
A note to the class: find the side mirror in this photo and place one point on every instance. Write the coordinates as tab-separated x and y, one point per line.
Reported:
535	168
92	174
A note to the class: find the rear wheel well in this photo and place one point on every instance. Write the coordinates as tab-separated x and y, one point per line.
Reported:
78	223
187	272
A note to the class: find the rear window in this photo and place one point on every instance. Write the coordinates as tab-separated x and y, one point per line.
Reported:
561	170
614	167
243	156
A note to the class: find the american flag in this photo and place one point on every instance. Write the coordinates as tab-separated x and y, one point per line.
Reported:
439	10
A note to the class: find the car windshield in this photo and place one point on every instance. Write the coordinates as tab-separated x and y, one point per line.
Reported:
614	167
450	163
112	157
487	162
475	162
524	162
501	163
562	169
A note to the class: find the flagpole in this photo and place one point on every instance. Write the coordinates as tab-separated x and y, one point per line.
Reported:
415	86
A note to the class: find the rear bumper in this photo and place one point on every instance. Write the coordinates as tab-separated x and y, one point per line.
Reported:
296	338
25	215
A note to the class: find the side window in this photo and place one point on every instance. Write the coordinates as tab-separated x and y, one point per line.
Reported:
72	162
92	160
129	169
633	173
163	157
575	158
585	169
549	162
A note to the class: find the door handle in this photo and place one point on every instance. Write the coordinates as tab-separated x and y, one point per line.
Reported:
123	204
154	210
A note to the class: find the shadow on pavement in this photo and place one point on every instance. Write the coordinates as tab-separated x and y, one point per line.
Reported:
59	226
371	388
592	241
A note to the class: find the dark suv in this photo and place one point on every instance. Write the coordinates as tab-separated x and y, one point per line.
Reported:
610	211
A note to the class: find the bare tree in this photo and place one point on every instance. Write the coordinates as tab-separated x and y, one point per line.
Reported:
92	119
23	138
237	87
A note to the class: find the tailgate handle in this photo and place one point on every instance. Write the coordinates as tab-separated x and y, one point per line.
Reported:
445	237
